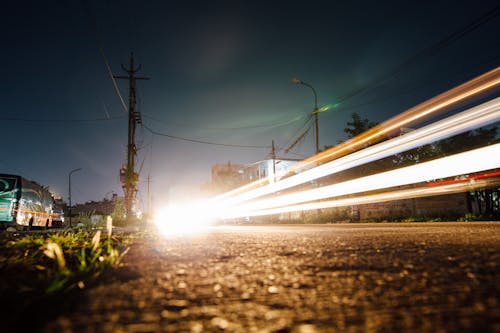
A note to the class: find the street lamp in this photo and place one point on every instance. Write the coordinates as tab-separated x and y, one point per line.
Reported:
69	191
315	111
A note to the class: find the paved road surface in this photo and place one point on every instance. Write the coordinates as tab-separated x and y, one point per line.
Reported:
428	277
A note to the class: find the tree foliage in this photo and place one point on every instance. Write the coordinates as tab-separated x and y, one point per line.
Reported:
358	125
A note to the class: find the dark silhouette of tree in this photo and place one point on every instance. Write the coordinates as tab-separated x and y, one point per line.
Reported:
468	140
358	125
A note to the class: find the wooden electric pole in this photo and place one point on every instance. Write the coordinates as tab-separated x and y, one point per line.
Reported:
273	156
128	176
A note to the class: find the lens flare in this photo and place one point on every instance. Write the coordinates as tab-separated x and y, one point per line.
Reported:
185	218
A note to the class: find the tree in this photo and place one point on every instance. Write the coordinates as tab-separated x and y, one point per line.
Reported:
468	140
358	125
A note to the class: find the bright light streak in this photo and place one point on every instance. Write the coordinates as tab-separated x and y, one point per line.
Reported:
482	115
185	219
412	116
382	197
485	158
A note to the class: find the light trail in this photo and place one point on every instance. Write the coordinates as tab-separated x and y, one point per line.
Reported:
256	199
482	115
485	158
432	107
466	178
412	116
380	197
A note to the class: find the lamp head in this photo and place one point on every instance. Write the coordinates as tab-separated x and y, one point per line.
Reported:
297	81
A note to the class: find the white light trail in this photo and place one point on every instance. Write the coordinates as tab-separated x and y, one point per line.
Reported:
482	115
476	160
381	197
432	107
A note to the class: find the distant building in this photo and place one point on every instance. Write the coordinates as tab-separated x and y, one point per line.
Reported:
226	177
103	207
274	170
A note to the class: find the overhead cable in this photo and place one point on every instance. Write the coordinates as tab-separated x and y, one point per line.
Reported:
48	120
430	50
268	125
106	62
201	141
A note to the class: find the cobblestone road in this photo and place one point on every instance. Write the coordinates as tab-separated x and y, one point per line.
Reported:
429	277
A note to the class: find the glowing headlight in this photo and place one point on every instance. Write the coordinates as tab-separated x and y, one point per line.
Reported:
184	219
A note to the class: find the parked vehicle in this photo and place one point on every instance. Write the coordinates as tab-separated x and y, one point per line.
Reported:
57	216
24	203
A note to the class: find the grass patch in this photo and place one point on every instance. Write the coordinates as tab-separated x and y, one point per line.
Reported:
61	260
41	271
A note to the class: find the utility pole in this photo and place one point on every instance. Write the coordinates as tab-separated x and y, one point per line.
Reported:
69	192
128	176
273	156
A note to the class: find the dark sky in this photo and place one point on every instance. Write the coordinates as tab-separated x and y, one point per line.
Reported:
221	72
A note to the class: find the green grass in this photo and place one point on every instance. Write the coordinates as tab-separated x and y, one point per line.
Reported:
57	262
43	274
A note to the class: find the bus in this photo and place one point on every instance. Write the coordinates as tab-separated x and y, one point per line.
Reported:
24	203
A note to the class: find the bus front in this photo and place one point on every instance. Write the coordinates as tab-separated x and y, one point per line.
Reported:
8	199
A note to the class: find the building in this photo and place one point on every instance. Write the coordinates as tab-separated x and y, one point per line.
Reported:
274	170
226	176
103	207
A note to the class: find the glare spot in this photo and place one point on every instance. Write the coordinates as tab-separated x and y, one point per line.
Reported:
184	219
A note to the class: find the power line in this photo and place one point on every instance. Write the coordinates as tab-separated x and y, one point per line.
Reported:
287	122
428	51
201	141
115	85
298	140
289	144
106	62
60	120
414	88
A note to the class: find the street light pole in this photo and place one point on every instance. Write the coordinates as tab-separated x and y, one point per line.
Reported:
69	191
315	111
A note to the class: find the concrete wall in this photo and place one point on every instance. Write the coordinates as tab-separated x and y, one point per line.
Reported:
450	205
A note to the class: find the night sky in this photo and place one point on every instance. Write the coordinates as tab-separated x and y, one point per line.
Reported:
220	72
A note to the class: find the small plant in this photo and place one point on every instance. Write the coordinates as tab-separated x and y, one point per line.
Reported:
56	262
84	219
468	217
86	257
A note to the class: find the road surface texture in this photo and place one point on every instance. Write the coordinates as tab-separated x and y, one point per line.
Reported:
421	277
